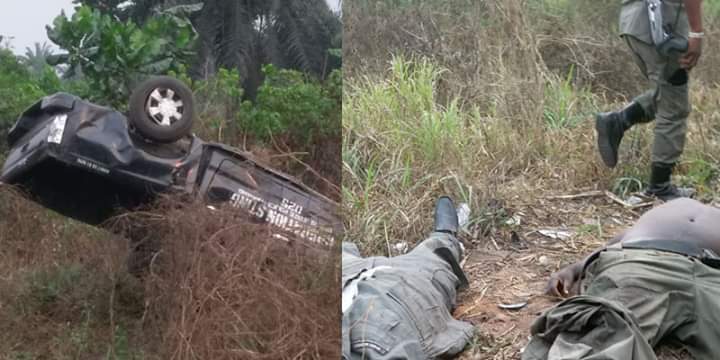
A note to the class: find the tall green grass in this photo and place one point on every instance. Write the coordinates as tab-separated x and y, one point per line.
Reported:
491	110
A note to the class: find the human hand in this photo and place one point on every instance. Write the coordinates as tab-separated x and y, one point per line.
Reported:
691	57
563	283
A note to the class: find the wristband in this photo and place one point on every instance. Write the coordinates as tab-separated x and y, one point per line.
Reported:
696	35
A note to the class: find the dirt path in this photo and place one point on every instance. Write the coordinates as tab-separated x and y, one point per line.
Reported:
512	265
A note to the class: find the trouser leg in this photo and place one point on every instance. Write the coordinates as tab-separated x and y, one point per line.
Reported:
647	101
438	240
350	249
673	107
701	339
585	327
668	103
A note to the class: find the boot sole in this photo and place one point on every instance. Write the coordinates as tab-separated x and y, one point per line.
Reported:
607	153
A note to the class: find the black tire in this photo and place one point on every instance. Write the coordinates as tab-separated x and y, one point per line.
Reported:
167	98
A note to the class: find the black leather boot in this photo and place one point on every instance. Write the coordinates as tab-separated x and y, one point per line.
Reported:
446	219
660	185
611	127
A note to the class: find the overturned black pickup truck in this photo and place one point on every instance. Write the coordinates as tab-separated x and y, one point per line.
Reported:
89	162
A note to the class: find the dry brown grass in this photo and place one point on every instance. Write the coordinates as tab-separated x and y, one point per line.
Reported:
219	289
222	288
64	292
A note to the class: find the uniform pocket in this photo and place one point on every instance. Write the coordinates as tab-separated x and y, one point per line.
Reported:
424	306
371	328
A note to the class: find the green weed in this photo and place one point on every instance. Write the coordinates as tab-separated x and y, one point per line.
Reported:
47	286
404	112
565	105
701	171
624	186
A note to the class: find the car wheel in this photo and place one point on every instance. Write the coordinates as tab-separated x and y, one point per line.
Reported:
161	109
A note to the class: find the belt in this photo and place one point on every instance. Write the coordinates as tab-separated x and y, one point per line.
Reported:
706	256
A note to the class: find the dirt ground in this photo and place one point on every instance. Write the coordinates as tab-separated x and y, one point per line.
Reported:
511	266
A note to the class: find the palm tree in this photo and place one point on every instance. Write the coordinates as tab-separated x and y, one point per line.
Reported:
245	34
36	59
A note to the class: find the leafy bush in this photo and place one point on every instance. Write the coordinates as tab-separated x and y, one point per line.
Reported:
114	56
217	102
18	90
289	102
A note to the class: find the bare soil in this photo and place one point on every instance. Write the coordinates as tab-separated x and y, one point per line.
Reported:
511	266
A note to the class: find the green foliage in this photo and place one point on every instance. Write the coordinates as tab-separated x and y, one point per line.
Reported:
18	90
114	56
565	105
46	287
627	185
217	103
138	11
404	109
121	348
290	102
712	8
699	173
36	59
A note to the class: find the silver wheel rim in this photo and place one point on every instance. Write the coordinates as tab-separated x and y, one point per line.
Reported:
164	106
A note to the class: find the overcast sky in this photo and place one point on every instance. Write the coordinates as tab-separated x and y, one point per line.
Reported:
24	20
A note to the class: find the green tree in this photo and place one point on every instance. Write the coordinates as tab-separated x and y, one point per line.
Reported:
114	56
137	11
17	91
246	34
36	59
290	102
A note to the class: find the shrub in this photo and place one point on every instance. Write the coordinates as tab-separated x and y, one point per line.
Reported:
290	102
18	90
114	56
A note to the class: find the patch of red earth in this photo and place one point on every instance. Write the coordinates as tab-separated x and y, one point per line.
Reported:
503	278
507	269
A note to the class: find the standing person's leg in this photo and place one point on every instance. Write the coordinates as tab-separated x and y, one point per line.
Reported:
670	106
611	126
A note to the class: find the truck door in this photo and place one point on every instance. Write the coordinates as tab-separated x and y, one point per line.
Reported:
293	210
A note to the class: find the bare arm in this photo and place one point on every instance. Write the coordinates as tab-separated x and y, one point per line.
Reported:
694	13
565	282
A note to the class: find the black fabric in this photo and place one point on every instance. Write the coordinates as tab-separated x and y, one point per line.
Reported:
445	254
660	174
706	256
632	115
673	246
610	129
679	78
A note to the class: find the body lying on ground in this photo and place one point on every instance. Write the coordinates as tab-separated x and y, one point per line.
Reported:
400	307
658	281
